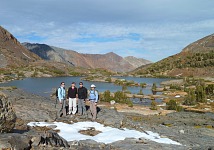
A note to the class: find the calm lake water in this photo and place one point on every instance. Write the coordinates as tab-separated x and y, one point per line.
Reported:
46	86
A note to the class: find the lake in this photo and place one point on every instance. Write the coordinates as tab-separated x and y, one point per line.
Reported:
46	86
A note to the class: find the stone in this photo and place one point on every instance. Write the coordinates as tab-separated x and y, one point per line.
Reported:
181	131
112	102
14	141
7	115
90	131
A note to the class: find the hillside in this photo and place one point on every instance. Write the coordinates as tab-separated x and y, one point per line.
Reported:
197	59
137	62
12	53
17	62
109	61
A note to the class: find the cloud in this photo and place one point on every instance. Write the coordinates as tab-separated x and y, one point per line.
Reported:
143	28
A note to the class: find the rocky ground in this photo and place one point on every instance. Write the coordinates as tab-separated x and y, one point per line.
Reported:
192	130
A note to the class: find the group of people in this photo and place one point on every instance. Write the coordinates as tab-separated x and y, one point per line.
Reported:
77	97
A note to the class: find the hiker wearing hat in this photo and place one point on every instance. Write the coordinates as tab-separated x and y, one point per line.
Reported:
72	97
93	98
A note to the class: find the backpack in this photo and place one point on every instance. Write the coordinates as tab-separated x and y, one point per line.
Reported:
57	92
95	94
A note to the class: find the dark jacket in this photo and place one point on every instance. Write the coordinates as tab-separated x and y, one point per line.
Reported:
82	93
72	93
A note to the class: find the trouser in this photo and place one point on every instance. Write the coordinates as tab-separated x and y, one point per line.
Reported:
61	107
93	109
72	105
81	107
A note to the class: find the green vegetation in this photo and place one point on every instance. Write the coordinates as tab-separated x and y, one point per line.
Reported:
200	94
154	87
191	60
74	73
191	98
106	96
119	97
172	105
174	86
143	85
124	82
141	92
108	79
153	105
209	90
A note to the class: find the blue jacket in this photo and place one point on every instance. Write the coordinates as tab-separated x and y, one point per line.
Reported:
93	95
61	93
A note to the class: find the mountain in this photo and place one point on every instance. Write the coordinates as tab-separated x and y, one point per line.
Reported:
137	62
205	44
109	61
17	61
196	59
12	53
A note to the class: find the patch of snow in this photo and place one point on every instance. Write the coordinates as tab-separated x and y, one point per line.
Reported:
107	135
26	55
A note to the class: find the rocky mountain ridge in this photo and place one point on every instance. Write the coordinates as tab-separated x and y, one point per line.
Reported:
109	61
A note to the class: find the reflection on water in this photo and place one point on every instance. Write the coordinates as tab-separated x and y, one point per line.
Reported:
46	86
145	101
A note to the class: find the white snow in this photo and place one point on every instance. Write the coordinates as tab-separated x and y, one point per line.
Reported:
26	55
108	135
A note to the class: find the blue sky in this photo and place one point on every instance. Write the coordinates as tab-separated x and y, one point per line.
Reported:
149	29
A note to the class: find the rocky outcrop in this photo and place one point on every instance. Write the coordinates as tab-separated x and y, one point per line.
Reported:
33	139
30	107
7	114
48	138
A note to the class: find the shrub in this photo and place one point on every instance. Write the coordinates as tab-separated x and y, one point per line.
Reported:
153	105
191	98
143	85
120	97
106	96
108	79
154	87
174	86
124	88
200	94
172	105
141	92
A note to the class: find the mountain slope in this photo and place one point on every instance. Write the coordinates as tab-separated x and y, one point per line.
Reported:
197	59
109	61
12	53
137	62
205	44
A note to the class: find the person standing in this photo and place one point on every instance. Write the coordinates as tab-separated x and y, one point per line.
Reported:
93	98
61	99
82	95
72	97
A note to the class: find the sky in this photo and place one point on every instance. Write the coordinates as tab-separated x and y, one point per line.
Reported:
149	29
70	132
